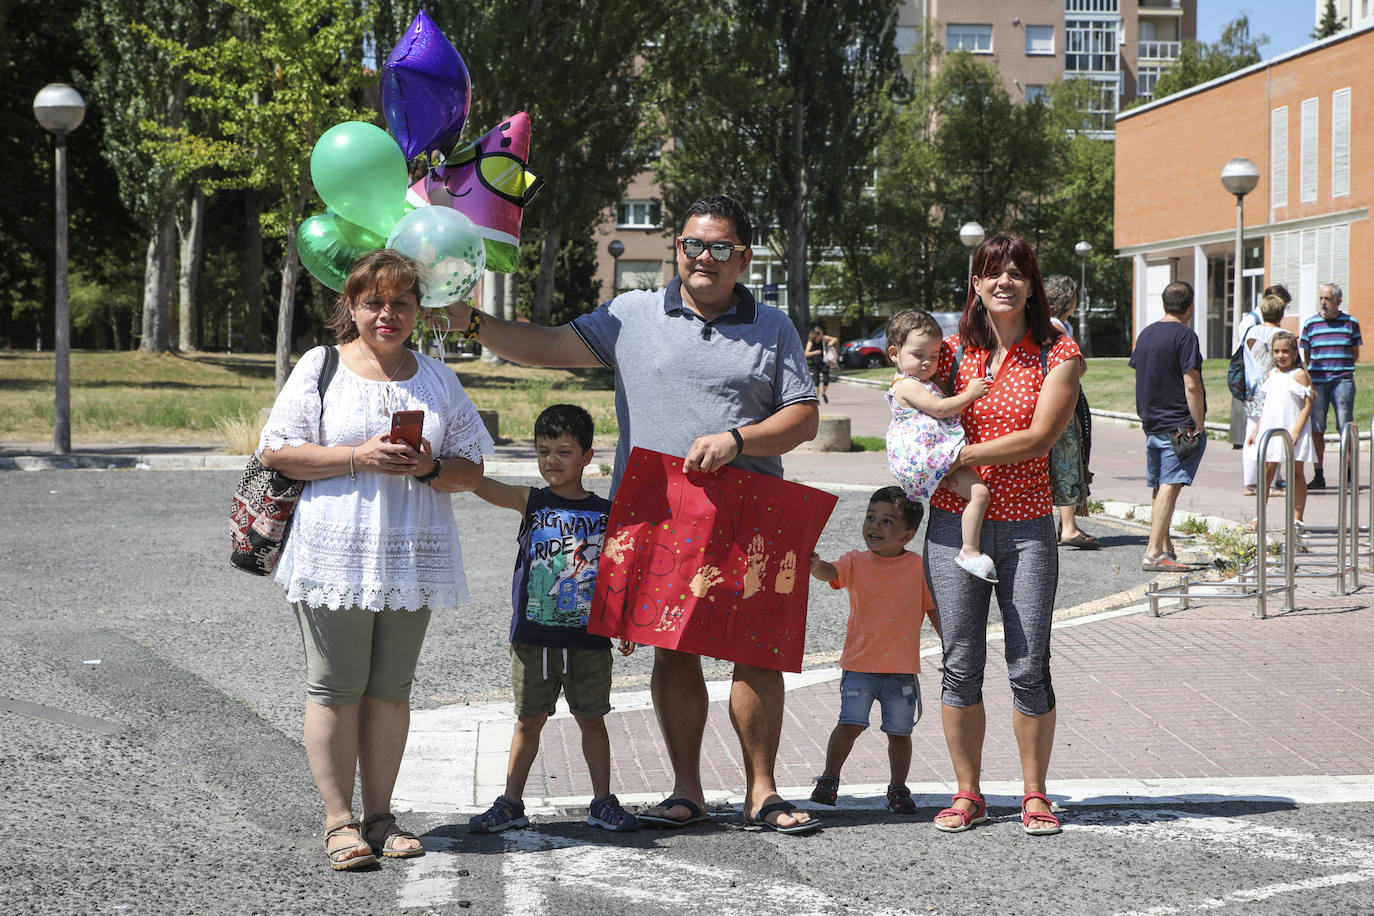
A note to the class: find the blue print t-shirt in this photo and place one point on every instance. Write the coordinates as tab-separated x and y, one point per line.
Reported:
555	570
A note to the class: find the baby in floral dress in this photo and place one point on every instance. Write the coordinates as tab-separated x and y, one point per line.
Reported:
925	435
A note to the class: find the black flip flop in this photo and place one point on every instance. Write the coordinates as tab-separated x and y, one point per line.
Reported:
655	820
781	807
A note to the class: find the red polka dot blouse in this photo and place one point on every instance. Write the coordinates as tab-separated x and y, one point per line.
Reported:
1020	491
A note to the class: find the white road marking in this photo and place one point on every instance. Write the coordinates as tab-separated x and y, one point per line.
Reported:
431	880
1238	837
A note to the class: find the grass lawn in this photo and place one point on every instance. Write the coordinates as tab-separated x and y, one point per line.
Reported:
1110	385
188	398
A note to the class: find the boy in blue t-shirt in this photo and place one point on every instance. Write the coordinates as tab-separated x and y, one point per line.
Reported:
551	651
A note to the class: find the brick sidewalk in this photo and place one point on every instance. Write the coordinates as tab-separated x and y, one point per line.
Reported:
1207	692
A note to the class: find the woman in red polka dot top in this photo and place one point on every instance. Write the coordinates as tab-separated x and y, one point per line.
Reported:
1010	430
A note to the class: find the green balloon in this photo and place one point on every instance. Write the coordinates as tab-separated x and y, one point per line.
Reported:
360	173
328	245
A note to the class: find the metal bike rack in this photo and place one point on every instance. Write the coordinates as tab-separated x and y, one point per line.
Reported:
1240	588
1338	553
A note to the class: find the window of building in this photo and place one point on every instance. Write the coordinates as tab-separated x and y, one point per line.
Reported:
1308	179
1278	179
908	39
1090	45
1145	81
1302	259
1340	143
1035	93
1092	6
639	214
975	38
1039	39
1104	105
638	274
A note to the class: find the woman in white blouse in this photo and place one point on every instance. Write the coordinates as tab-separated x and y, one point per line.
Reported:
373	546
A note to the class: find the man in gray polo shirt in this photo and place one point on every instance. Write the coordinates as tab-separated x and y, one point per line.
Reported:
703	372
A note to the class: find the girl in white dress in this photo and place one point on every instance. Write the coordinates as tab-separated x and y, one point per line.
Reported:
925	434
1287	405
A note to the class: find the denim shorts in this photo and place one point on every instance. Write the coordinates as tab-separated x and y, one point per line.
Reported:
1162	465
1338	393
899	696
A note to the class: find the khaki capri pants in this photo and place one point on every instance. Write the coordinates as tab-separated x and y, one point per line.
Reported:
354	652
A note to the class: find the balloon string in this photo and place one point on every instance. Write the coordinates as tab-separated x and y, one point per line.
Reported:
440	336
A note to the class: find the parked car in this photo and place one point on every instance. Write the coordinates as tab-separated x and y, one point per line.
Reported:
871	352
868	353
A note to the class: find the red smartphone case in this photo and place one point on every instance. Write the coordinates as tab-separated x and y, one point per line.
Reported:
407	426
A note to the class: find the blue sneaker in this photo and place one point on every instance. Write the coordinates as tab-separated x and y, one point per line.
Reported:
607	814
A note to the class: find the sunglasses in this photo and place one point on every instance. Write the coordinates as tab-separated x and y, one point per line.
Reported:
720	251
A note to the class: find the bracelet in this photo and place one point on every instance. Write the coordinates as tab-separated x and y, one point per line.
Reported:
352	475
474	325
433	472
739	442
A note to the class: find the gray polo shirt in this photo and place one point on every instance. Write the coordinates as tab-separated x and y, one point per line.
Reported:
678	376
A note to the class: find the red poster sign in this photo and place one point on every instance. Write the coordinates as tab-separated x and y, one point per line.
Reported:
714	564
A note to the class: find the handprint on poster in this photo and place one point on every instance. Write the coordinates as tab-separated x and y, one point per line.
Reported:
707	563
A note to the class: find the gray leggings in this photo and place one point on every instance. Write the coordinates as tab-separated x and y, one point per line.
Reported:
1027	558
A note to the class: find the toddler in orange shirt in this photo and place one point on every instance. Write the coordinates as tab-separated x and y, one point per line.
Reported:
888	598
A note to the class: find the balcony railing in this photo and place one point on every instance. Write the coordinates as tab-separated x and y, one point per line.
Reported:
1158	50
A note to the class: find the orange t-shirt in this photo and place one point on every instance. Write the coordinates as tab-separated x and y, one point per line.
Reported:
1020	491
888	600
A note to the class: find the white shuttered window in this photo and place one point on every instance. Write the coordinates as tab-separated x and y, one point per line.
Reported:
1308	192
1278	173
1340	143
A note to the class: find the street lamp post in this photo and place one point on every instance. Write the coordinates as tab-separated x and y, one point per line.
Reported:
59	109
971	234
1083	249
616	248
1239	176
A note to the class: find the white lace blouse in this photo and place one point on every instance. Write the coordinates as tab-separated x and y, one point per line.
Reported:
379	541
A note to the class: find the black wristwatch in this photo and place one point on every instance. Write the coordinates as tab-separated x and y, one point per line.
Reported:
433	473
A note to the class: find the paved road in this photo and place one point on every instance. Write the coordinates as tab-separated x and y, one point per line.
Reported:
150	708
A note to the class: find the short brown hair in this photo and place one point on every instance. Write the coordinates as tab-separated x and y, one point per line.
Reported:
1062	294
900	326
911	511
380	269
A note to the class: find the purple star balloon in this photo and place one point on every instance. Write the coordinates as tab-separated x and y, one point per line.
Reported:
425	89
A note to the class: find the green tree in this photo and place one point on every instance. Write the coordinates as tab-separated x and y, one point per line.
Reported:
580	78
1199	62
269	87
1330	23
782	118
39	46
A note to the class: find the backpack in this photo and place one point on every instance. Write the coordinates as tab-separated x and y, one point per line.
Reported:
1069	474
1236	380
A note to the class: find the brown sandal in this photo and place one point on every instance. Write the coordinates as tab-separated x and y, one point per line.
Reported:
349	830
388	847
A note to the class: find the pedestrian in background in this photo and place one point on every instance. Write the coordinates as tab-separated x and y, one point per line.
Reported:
373	547
1258	362
1287	406
1331	348
1011	430
822	356
1063	297
1171	404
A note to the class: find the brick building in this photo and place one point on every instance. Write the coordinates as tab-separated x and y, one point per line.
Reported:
1299	117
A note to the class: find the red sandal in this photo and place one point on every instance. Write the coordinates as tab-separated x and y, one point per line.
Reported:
1048	824
978	815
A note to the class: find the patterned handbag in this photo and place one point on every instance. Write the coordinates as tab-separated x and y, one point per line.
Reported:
264	502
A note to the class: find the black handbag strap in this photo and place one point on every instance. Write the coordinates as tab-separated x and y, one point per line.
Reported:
331	365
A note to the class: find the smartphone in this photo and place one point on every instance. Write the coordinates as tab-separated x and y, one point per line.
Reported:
406	426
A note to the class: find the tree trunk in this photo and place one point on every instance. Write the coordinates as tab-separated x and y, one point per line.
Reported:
192	229
157	287
542	308
251	277
798	290
494	304
287	306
